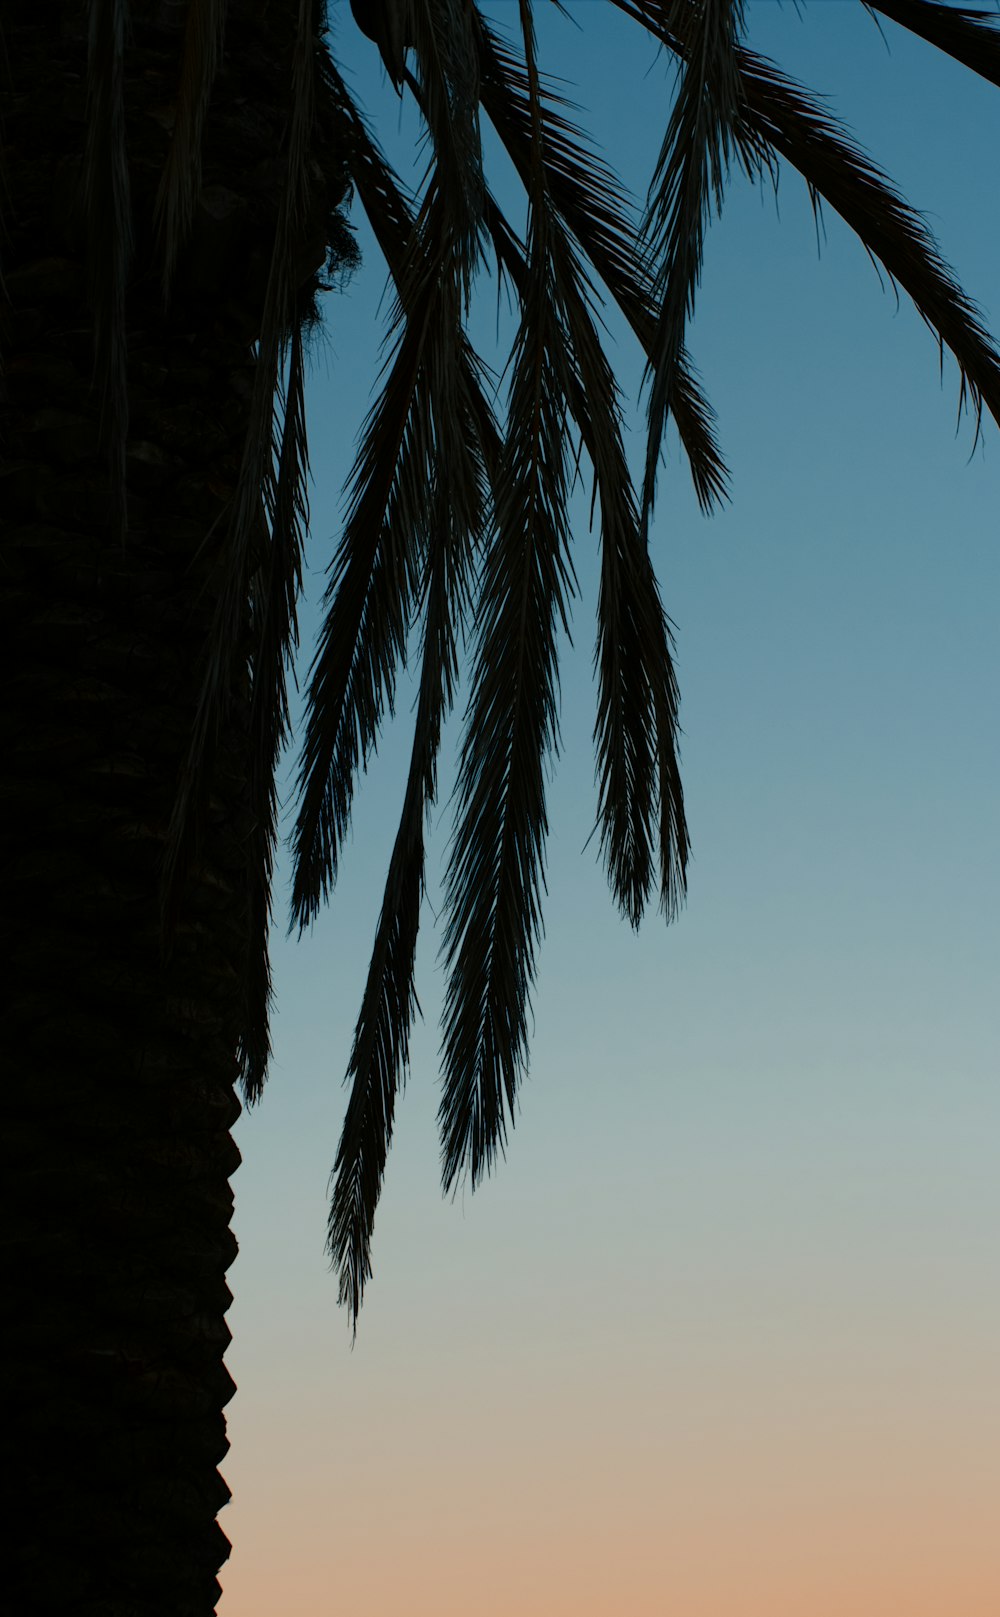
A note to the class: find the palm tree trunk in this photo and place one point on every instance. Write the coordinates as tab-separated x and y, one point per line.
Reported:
120	1061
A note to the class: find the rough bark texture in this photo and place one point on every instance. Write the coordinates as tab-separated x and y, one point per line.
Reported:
120	1065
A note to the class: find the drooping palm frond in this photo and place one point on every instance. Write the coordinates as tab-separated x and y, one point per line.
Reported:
106	192
253	502
377	569
636	730
638	700
275	639
972	37
370	601
454	456
380	1044
495	873
379	561
559	377
800	130
446	85
391	218
386	23
783	119
181	178
380	1053
594	205
689	178
378	189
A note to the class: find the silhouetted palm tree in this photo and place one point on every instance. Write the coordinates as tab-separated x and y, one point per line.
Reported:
174	192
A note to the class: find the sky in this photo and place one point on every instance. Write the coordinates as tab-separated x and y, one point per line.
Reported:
719	1339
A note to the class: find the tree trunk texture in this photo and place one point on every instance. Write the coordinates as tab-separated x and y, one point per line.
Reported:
120	1061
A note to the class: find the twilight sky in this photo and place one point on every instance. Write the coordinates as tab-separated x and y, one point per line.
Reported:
720	1338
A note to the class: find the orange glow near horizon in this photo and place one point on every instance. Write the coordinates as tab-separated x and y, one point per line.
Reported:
723	1508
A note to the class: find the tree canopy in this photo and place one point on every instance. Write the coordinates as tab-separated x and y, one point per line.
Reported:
457	526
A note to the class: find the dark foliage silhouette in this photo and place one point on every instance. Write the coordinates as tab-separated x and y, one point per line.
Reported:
178	181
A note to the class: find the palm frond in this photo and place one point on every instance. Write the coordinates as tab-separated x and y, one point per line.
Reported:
783	119
636	726
370	601
380	1053
391	217
456	453
253	503
972	37
180	181
495	874
689	178
379	1060
447	88
275	637
799	130
378	563
379	190
695	421
595	207
107	203
387	23
638	701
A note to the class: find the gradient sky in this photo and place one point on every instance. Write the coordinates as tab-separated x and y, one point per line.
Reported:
720	1339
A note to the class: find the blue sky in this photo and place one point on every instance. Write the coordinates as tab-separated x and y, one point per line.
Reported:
729	1307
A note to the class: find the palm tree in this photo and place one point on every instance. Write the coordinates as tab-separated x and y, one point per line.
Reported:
176	187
